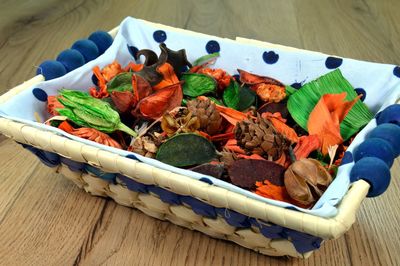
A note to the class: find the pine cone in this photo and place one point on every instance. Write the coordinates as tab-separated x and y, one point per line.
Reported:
209	116
146	146
181	122
258	136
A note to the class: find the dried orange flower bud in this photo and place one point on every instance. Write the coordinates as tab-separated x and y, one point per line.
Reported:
270	92
306	180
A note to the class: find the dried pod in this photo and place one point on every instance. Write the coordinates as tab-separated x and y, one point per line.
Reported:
306	180
183	121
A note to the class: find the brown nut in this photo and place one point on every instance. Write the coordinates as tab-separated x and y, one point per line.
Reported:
306	180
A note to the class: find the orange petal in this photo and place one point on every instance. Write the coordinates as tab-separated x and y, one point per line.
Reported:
160	102
305	146
231	115
66	127
169	77
324	120
281	127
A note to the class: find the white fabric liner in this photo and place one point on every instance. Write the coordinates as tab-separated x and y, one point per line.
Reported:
382	87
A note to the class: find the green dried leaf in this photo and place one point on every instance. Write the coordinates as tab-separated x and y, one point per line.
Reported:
247	98
231	95
186	150
216	101
238	98
197	84
121	82
87	111
205	59
303	101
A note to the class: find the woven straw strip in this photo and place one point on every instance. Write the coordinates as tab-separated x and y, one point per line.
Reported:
183	185
181	215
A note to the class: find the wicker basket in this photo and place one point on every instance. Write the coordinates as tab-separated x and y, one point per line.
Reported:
194	204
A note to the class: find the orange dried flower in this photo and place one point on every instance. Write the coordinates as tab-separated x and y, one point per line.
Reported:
270	93
268	190
223	79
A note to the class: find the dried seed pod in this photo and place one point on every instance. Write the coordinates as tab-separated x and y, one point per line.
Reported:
306	180
183	121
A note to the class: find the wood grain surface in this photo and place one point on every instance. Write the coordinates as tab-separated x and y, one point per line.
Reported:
46	220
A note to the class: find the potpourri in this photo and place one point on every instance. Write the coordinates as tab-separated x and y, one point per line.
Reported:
250	130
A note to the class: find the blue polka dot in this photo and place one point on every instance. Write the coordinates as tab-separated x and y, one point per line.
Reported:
296	85
95	80
396	71
333	62
212	47
131	156
362	92
270	57
159	36
291	208
40	94
347	158
236	77
133	51
206	180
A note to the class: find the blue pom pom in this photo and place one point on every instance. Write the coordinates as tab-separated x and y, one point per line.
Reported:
102	39
375	172
375	147
51	69
87	48
71	59
390	133
390	114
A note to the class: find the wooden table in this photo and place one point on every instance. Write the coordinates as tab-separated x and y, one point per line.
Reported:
46	220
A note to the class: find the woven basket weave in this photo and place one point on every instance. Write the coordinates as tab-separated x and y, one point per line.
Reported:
190	203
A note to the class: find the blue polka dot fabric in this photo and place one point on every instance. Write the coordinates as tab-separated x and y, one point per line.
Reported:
270	57
39	94
379	84
212	47
160	36
333	62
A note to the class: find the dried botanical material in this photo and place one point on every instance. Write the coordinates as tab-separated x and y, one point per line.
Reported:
186	149
302	102
162	101
268	190
212	169
53	104
181	122
145	146
197	84
306	180
223	79
279	124
96	136
205	110
246	172
305	146
260	137
177	59
90	134
270	93
325	118
87	111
